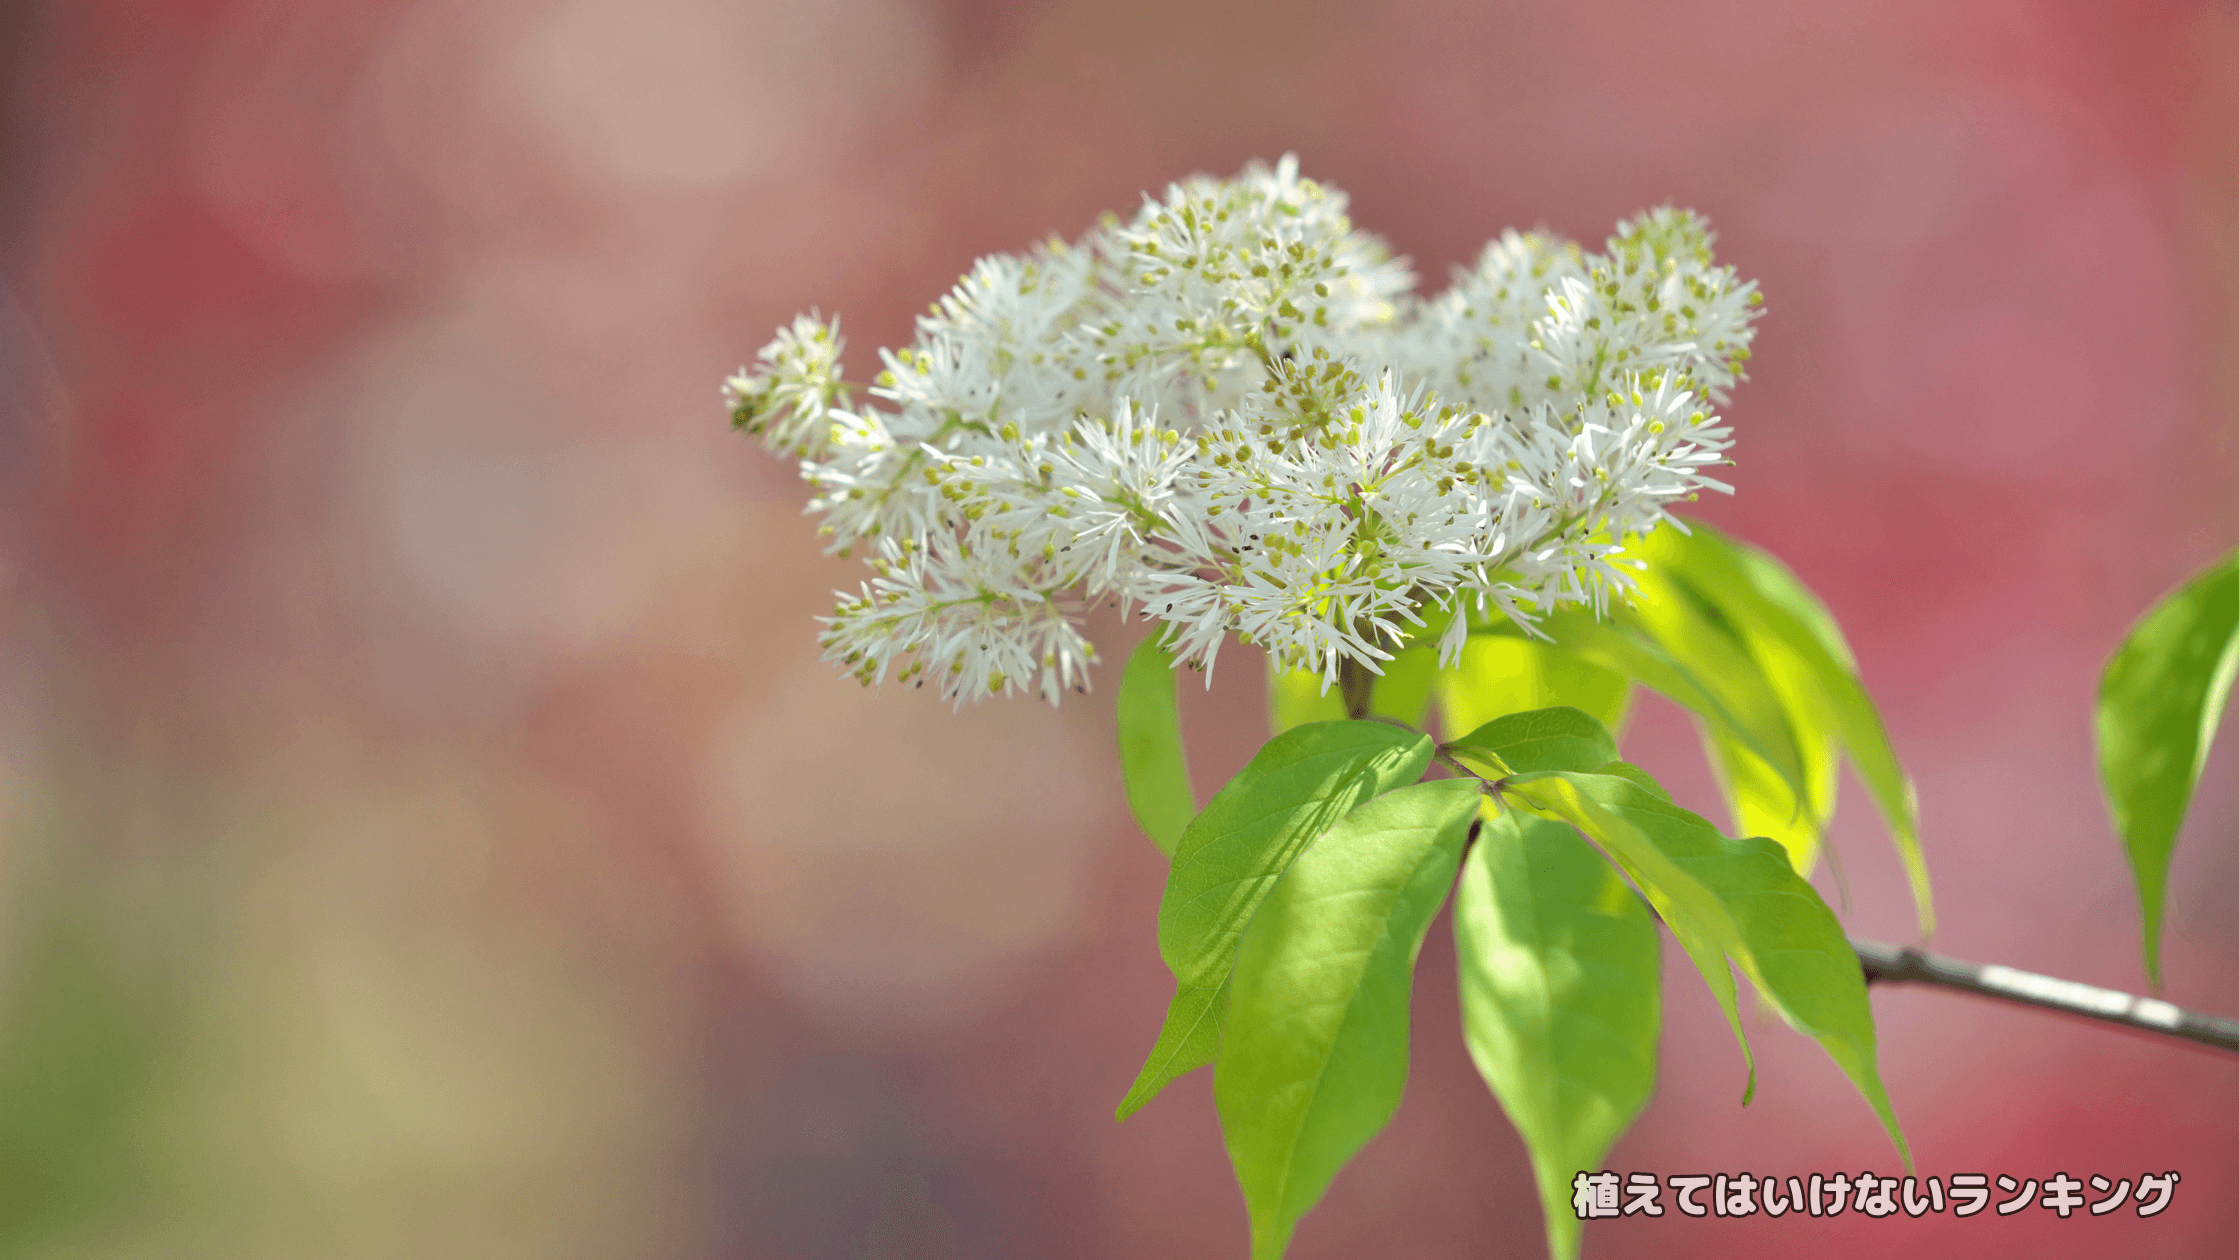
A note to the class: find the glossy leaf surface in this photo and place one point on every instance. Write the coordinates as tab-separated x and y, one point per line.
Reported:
1737	898
1632	652
1560	998
1299	784
1501	674
1544	739
1800	648
1315	1053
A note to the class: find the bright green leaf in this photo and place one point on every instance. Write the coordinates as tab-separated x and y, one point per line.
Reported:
1702	925
1673	613
1151	760
2160	701
1776	582
1560	982
1740	898
1315	1054
1762	804
1793	636
1500	674
1639	777
1187	1040
1627	650
1403	692
1544	739
1296	787
1759	796
1296	697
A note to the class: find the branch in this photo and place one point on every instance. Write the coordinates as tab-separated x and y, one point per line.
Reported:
1889	964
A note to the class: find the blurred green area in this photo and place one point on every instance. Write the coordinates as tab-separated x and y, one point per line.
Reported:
88	1049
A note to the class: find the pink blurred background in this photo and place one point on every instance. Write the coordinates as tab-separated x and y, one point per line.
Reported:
429	831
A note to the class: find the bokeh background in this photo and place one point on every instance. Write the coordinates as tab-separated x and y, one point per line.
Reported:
429	831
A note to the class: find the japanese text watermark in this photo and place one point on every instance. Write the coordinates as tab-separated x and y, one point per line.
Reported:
1606	1195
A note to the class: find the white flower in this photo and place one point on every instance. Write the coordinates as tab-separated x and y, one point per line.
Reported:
967	618
1015	313
799	381
1652	304
1231	413
1224	277
996	349
1473	343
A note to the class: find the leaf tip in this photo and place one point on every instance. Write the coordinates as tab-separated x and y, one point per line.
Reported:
1897	1135
1133	1103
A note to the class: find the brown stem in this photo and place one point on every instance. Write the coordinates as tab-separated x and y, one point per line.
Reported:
1890	965
1354	684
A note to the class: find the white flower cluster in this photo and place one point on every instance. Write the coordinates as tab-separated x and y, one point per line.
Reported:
1233	413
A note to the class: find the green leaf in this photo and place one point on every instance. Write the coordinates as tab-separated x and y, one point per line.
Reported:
1699	921
1560	982
1402	693
1151	760
1188	1039
1778	584
1640	778
1758	794
1297	786
1763	805
1739	898
1316	1051
2160	701
1790	632
1296	698
1499	674
1700	637
1628	650
1544	739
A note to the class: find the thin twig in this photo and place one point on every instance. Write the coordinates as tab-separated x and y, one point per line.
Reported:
1451	762
1889	964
